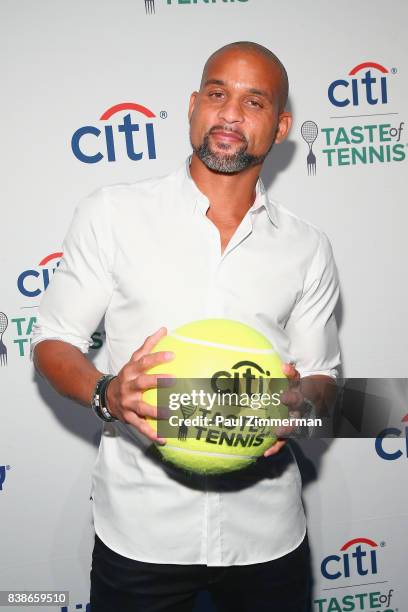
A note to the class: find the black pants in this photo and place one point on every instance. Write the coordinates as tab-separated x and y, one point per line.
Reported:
119	584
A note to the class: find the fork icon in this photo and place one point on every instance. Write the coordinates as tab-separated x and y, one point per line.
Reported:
149	6
311	162
309	131
3	348
182	432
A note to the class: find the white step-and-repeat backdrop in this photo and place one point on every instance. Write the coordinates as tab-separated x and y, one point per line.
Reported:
71	72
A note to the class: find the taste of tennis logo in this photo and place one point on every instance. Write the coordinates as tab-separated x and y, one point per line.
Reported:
151	5
124	136
20	329
354	145
353	138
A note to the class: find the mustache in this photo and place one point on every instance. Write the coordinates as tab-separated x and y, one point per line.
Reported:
227	128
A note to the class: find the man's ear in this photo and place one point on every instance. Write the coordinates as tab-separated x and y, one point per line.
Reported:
284	125
191	105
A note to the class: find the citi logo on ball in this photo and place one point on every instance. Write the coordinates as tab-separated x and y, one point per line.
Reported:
248	373
356	557
136	138
31	283
367	83
393	432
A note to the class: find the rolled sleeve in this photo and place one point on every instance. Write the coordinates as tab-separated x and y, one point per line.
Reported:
312	328
81	287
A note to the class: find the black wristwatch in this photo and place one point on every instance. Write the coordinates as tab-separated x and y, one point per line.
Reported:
98	404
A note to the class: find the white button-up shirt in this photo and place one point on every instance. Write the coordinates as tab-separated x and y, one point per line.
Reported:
146	255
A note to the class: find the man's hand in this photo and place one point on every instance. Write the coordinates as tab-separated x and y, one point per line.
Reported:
293	399
125	392
320	389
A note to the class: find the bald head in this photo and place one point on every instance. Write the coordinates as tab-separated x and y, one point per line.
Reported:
255	49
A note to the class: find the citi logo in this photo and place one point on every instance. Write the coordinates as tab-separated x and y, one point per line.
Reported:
90	144
393	432
31	283
357	557
367	82
247	373
3	471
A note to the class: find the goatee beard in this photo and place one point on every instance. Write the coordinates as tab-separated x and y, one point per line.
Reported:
228	164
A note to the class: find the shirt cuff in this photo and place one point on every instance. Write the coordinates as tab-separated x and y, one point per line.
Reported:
332	373
82	345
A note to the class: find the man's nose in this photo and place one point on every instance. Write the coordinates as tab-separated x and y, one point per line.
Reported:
231	111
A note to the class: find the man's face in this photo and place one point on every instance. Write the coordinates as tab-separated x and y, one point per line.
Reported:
235	117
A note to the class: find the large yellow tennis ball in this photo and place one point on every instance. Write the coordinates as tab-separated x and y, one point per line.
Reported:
228	381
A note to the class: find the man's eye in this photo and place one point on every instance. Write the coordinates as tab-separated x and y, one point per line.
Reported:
255	103
216	94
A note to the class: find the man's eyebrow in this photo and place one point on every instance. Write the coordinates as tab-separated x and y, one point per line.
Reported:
214	82
252	90
260	92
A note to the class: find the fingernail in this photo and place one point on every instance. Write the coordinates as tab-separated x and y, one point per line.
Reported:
169	355
287	368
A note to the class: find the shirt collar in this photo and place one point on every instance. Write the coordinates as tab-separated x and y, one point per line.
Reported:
202	203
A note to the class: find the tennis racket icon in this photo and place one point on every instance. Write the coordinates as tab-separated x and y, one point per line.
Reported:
309	131
3	348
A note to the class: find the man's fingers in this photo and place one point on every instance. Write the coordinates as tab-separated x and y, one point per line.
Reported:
153	359
136	367
290	371
152	340
284	431
148	381
149	344
143	426
291	374
292	398
275	448
147	410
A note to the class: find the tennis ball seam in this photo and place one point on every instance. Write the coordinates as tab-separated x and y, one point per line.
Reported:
227	347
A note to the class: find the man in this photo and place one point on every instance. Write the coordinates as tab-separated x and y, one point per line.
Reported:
203	242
